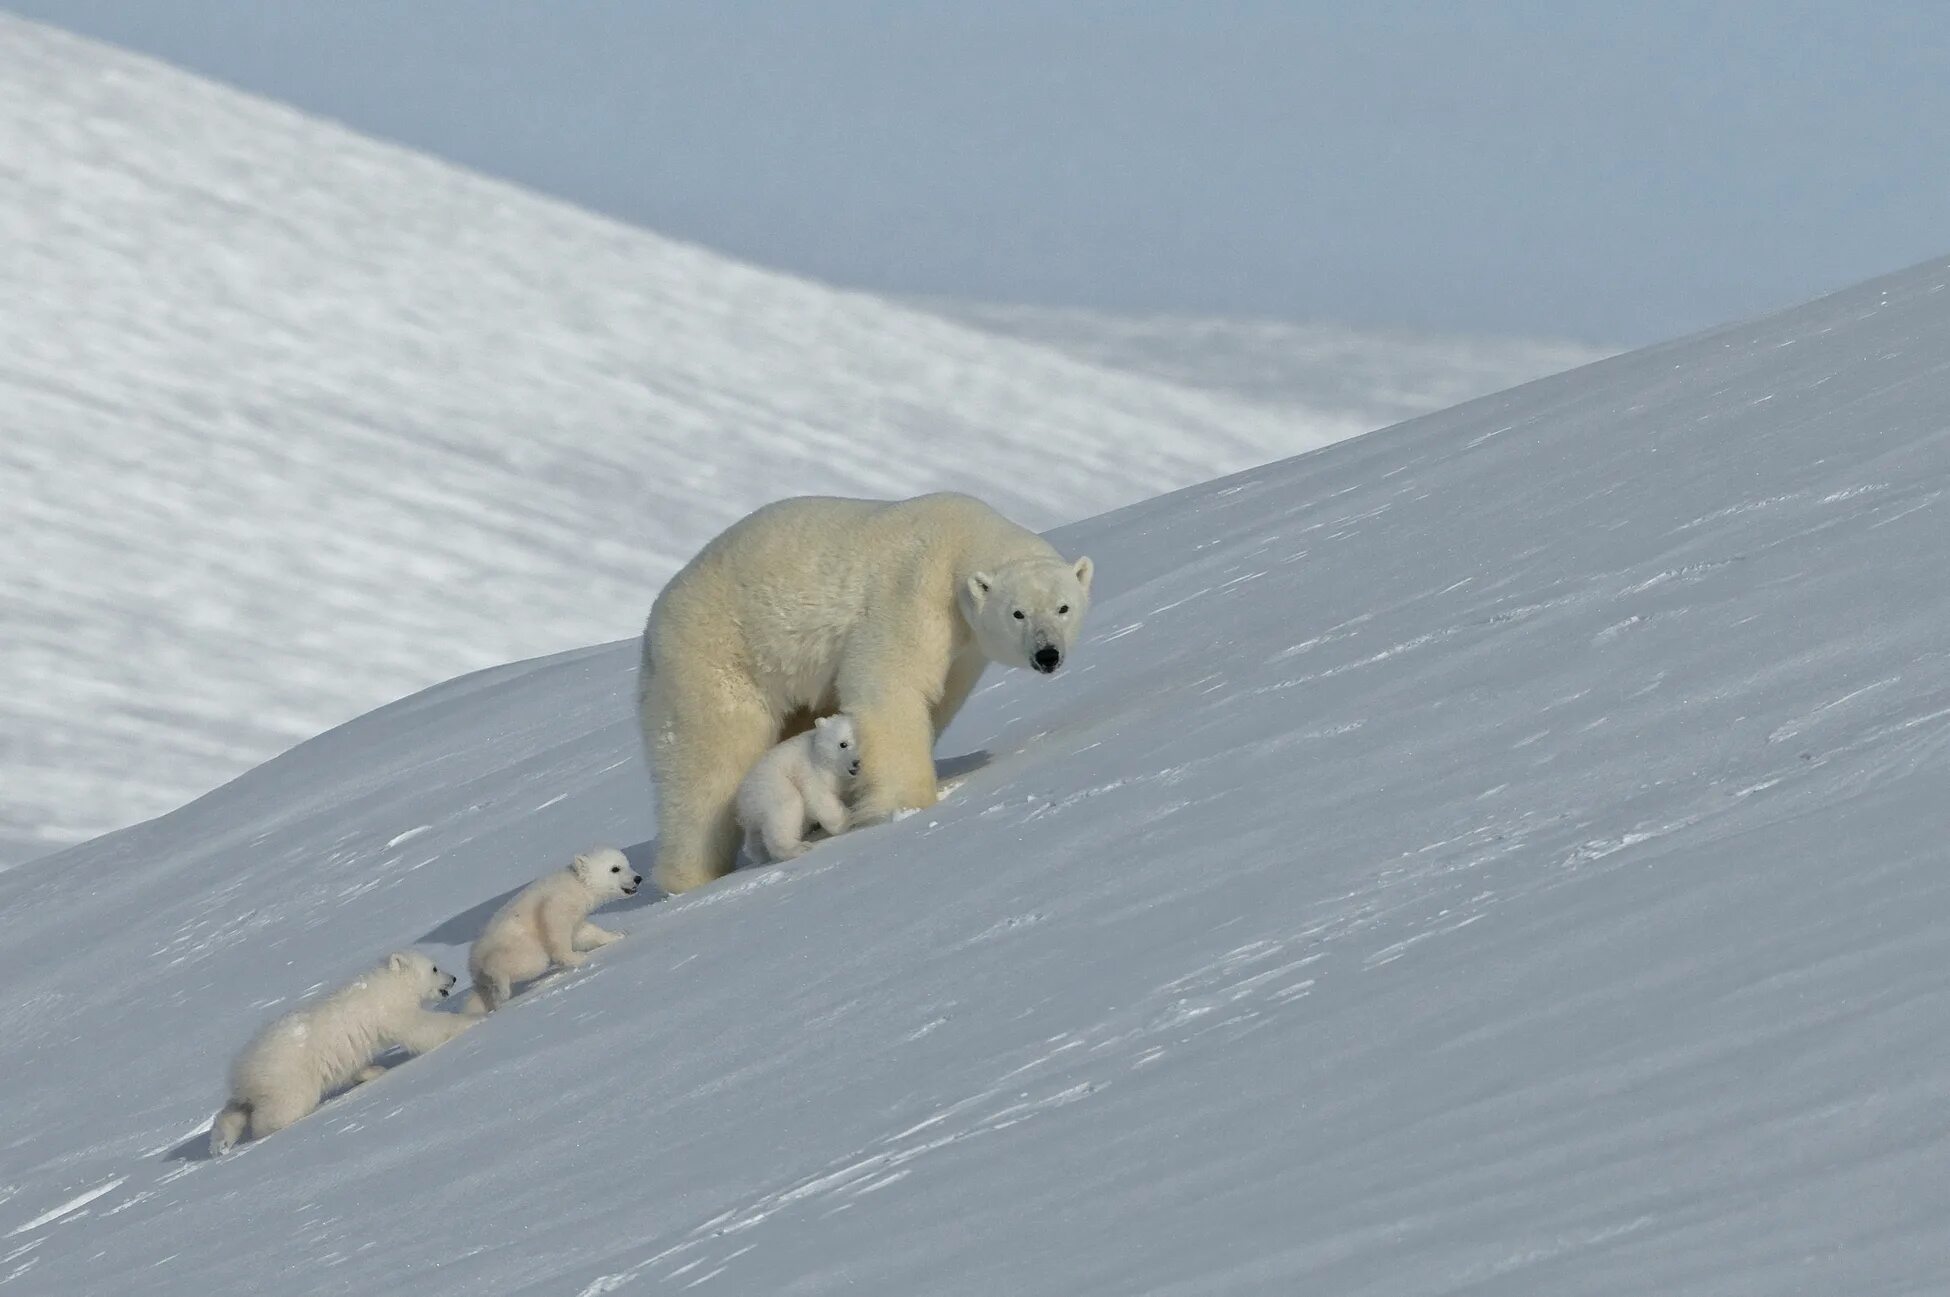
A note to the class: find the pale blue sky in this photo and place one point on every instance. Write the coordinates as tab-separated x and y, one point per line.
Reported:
1613	172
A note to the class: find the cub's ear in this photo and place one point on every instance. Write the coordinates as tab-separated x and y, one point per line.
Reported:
821	722
1084	569
396	961
978	588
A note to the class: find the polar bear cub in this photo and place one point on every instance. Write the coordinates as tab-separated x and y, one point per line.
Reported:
796	783
290	1066
545	923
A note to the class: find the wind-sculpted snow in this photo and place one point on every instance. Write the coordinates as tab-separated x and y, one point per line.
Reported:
1501	854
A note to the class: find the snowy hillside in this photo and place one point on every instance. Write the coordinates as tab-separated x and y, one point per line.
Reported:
1503	854
296	423
1373	377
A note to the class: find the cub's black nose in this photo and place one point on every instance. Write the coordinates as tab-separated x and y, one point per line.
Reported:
1047	659
636	880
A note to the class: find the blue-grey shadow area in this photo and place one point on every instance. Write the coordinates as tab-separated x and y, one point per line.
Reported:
966	764
465	926
194	1149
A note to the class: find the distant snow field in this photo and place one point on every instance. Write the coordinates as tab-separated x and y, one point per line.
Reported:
295	422
1324	371
1504	854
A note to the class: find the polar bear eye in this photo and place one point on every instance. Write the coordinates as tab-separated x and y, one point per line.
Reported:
1060	611
616	869
1019	616
844	744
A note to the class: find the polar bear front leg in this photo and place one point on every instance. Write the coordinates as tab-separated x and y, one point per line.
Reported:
556	925
590	937
963	675
427	1030
896	756
826	810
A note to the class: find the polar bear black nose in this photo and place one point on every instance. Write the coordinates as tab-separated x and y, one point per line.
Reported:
1047	659
636	880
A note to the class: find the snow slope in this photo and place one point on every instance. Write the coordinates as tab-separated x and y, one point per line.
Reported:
295	422
1501	854
1373	377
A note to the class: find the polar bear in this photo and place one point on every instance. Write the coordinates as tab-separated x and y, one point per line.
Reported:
290	1066
547	922
797	782
886	610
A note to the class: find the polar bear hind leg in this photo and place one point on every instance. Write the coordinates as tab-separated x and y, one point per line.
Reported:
782	829
491	991
273	1112
229	1127
706	739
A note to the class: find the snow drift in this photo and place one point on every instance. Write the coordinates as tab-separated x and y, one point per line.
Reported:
1500	854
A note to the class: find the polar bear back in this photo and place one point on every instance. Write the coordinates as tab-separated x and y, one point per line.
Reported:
775	596
324	1043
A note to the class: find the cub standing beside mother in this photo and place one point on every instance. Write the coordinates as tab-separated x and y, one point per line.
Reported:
886	610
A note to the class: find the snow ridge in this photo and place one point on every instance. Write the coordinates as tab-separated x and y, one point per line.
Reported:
1502	853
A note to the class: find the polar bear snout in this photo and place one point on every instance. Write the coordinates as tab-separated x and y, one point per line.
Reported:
636	881
447	981
1047	659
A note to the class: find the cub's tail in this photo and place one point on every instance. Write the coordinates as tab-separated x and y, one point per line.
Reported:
228	1126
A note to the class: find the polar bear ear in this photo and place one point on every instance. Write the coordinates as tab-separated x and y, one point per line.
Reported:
397	961
978	589
1084	570
821	722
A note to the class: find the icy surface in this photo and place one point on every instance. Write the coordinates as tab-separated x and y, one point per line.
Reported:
293	423
1504	854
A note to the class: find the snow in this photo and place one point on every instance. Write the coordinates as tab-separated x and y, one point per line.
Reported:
1503	853
302	422
1371	377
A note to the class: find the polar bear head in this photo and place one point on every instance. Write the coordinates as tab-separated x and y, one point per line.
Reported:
607	873
836	745
427	977
1027	613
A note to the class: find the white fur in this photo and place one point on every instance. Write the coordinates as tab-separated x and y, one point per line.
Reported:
886	610
547	923
289	1067
797	783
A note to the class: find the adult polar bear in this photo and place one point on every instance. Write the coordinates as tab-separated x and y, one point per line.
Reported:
886	609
